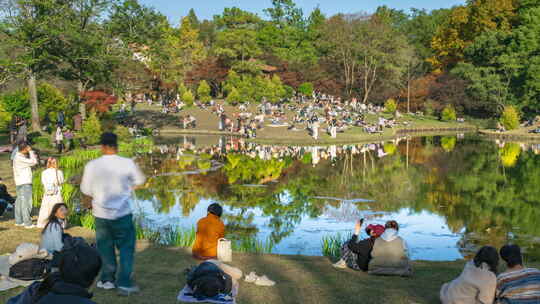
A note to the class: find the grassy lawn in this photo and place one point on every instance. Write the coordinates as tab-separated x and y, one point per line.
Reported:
299	279
208	123
520	133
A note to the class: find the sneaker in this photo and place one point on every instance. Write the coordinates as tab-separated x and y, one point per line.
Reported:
19	225
264	281
127	291
106	285
30	227
251	278
341	264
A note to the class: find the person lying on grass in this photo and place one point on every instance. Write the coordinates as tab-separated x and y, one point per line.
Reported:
209	230
356	255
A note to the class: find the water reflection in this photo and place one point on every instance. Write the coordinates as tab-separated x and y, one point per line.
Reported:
450	194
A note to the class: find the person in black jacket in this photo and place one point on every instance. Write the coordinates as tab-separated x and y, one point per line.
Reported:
5	198
357	254
78	268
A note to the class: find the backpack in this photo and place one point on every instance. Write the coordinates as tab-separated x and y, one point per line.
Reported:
208	281
29	270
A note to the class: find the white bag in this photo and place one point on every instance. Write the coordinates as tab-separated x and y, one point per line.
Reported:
224	250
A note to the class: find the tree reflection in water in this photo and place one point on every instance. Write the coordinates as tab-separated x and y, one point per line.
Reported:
487	192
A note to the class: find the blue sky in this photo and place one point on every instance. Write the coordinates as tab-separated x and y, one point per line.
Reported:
206	9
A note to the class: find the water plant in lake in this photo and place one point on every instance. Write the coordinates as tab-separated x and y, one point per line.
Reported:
331	244
252	245
180	237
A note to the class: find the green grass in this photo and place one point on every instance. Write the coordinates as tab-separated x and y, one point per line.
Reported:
252	245
331	244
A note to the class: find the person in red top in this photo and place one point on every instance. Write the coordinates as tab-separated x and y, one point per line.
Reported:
209	230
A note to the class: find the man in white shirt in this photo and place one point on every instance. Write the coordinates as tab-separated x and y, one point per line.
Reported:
23	161
110	181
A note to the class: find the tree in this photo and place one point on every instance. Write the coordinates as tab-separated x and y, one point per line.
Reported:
188	98
204	91
91	129
31	32
306	89
234	97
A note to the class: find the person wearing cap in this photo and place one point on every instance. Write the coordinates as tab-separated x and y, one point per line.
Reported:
357	254
110	181
209	230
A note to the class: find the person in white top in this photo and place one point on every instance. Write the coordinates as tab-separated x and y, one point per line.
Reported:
23	161
52	180
59	139
110	181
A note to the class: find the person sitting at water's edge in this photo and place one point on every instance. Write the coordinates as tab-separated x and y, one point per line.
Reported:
357	254
477	282
390	254
518	284
78	269
209	230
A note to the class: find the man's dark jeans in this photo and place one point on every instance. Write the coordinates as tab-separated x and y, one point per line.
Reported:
120	234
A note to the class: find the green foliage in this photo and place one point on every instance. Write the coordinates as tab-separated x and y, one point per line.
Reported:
88	221
448	143
17	103
91	129
331	245
509	154
449	113
123	133
52	101
252	245
204	92
390	148
390	106
179	237
306	89
188	98
5	116
510	118
234	97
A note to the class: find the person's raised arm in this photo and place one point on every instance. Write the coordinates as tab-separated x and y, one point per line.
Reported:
30	161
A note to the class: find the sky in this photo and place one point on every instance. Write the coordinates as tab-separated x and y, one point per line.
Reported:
206	9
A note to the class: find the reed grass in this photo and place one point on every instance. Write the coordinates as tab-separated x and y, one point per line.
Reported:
252	245
178	237
331	244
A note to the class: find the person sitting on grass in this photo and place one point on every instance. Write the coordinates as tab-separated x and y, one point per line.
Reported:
5	198
356	255
477	282
78	269
390	254
52	236
518	284
209	230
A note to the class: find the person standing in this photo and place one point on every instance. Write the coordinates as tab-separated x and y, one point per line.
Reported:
59	139
60	119
110	181
24	160
52	180
22	133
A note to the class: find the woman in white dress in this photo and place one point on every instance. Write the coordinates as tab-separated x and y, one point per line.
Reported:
52	180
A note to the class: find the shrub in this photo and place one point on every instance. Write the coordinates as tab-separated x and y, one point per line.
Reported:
233	97
390	148
122	133
91	129
448	143
429	108
17	103
510	118
188	98
390	106
449	113
306	89
509	154
204	92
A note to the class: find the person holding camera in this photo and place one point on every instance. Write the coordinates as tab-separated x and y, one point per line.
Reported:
23	161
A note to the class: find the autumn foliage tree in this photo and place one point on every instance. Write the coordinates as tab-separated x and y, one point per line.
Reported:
98	101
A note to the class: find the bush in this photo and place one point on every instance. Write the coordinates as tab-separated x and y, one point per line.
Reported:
43	142
233	97
5	118
510	118
449	113
204	92
122	133
17	103
91	129
448	143
429	108
390	106
306	89
188	98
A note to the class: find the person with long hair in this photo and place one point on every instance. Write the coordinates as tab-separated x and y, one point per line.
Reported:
390	255
478	281
52	180
52	235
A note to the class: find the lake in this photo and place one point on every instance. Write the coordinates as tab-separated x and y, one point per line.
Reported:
449	194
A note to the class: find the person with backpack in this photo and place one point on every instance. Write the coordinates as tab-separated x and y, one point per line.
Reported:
52	180
110	181
78	268
208	281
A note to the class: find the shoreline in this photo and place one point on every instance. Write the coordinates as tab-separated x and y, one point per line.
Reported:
510	136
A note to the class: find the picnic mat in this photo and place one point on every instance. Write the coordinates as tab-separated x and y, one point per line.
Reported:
186	295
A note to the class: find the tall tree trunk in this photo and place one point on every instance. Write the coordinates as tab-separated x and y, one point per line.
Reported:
36	127
82	106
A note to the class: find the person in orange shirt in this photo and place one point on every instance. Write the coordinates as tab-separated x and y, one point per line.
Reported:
209	230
